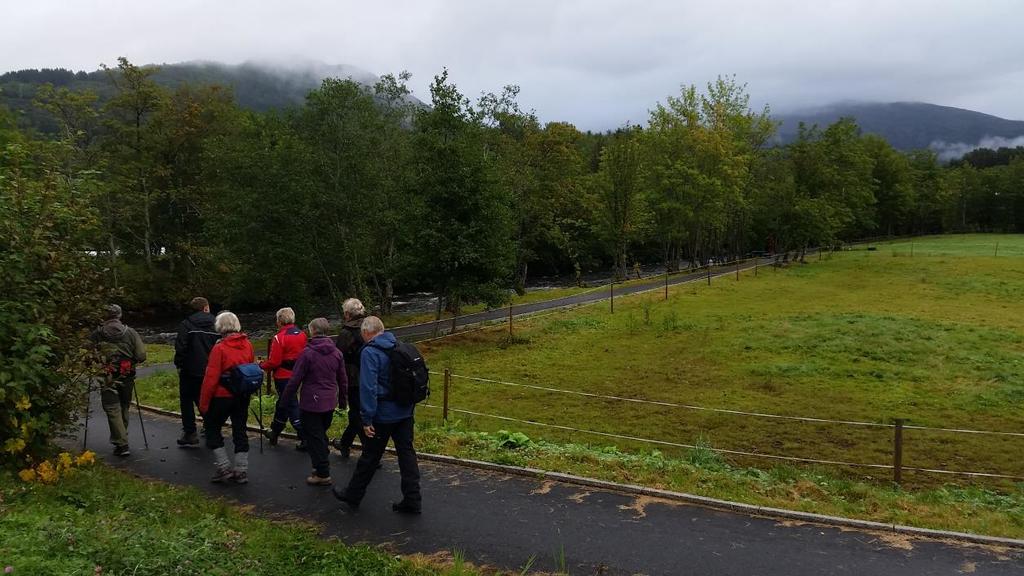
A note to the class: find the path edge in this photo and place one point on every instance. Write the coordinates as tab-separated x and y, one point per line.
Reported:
686	498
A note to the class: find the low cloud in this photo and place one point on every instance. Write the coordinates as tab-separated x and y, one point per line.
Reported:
947	151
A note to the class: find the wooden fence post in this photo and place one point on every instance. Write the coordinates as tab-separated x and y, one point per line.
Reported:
897	452
611	295
666	283
447	389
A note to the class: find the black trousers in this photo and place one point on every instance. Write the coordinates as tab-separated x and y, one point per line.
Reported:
237	409
285	413
314	432
355	422
188	393
401	433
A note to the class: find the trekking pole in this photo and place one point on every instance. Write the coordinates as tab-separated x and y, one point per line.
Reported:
138	406
88	409
260	420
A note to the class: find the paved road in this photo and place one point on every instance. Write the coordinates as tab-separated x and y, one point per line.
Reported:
502	521
427	329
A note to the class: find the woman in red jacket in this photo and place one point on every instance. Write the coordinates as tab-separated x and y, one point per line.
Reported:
217	404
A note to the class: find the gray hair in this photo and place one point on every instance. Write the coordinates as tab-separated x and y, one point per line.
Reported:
286	316
372	326
227	322
353	307
319	327
112	312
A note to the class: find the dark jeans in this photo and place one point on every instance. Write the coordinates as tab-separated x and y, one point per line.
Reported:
188	393
401	433
237	409
284	413
314	432
355	422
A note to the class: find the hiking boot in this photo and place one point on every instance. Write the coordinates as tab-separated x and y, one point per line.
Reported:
337	445
343	497
122	451
190	440
315	480
272	436
240	476
403	508
222	474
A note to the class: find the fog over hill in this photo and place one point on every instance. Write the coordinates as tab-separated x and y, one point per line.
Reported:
257	85
267	85
950	132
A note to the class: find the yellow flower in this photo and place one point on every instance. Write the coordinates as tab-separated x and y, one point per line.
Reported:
47	473
27	475
87	457
64	462
23	403
14	445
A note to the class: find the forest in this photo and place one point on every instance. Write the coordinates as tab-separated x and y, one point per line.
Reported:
361	190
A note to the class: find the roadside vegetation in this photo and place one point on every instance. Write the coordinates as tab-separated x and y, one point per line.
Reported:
102	521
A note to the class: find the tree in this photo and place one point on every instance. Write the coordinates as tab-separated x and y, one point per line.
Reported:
618	189
130	205
464	226
893	188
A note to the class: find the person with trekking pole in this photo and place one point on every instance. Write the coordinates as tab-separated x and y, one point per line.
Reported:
121	349
284	350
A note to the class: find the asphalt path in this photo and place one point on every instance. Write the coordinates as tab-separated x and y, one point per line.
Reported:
503	521
433	328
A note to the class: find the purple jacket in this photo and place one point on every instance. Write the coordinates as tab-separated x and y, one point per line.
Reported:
320	372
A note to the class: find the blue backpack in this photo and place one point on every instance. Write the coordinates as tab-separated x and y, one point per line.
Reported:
243	380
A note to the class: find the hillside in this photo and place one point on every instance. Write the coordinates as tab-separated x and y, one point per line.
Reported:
913	125
257	86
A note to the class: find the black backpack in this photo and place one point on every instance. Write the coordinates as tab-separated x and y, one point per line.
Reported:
410	377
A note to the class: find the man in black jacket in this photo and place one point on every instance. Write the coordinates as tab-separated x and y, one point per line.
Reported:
350	342
196	337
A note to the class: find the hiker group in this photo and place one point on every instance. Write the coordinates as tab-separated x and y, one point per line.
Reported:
364	369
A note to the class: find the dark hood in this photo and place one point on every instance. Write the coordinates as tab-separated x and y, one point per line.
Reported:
202	321
323	345
356	322
113	330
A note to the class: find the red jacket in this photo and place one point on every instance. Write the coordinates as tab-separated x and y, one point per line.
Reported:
285	348
228	352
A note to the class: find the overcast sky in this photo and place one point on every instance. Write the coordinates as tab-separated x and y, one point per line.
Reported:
597	63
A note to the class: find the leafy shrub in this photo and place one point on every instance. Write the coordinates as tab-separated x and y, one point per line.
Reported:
50	291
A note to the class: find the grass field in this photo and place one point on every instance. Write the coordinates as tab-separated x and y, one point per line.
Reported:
861	335
102	521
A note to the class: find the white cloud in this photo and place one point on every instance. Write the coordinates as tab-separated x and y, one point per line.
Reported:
952	150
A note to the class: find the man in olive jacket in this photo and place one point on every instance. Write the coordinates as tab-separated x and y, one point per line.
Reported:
121	349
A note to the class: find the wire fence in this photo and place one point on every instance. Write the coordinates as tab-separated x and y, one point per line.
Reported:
897	467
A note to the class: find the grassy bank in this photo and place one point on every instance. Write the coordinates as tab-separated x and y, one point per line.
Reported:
101	521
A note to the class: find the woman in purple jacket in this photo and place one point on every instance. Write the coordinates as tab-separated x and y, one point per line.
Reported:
320	373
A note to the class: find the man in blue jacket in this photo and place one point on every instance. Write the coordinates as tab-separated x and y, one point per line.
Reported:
382	419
